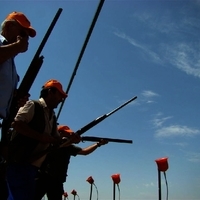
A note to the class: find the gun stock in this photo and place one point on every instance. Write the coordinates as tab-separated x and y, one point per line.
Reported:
28	80
97	139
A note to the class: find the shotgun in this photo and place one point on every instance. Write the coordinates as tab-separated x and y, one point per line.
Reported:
82	51
79	132
97	139
101	118
27	81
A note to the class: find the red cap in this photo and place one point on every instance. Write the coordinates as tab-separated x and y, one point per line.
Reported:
65	129
23	21
56	84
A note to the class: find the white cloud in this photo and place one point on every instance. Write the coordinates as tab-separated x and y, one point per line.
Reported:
149	184
181	144
149	93
185	57
129	39
193	156
176	130
150	101
182	55
163	24
158	122
148	96
153	55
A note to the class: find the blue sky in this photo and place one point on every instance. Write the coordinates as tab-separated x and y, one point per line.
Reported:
149	49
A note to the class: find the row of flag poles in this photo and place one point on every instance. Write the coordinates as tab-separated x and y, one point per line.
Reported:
162	166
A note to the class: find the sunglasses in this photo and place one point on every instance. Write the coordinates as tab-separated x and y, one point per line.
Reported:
23	33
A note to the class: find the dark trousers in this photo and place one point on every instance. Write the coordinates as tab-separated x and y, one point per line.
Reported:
3	183
21	181
48	185
3	189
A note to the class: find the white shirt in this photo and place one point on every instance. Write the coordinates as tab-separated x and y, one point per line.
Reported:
8	83
26	114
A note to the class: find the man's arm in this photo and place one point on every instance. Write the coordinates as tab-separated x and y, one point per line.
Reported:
92	148
23	128
11	50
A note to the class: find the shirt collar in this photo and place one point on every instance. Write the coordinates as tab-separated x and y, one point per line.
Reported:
43	103
3	39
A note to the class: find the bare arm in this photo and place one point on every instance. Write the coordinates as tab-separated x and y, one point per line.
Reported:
11	50
8	51
92	148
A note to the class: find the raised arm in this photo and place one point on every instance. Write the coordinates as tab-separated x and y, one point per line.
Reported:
92	148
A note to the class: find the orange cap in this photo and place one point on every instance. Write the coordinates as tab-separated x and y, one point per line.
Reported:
56	84
23	21
65	129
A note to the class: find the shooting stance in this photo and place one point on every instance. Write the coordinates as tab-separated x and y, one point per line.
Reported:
53	171
35	128
14	36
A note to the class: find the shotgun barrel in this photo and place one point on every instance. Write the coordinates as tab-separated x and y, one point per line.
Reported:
101	2
97	139
101	118
32	70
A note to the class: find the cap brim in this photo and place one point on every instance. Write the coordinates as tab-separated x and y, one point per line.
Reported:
63	93
31	31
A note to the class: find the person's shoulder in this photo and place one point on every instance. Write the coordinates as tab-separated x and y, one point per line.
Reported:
34	102
30	104
42	102
1	39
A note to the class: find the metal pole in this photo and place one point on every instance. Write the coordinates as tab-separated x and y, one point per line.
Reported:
91	192
159	185
113	191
